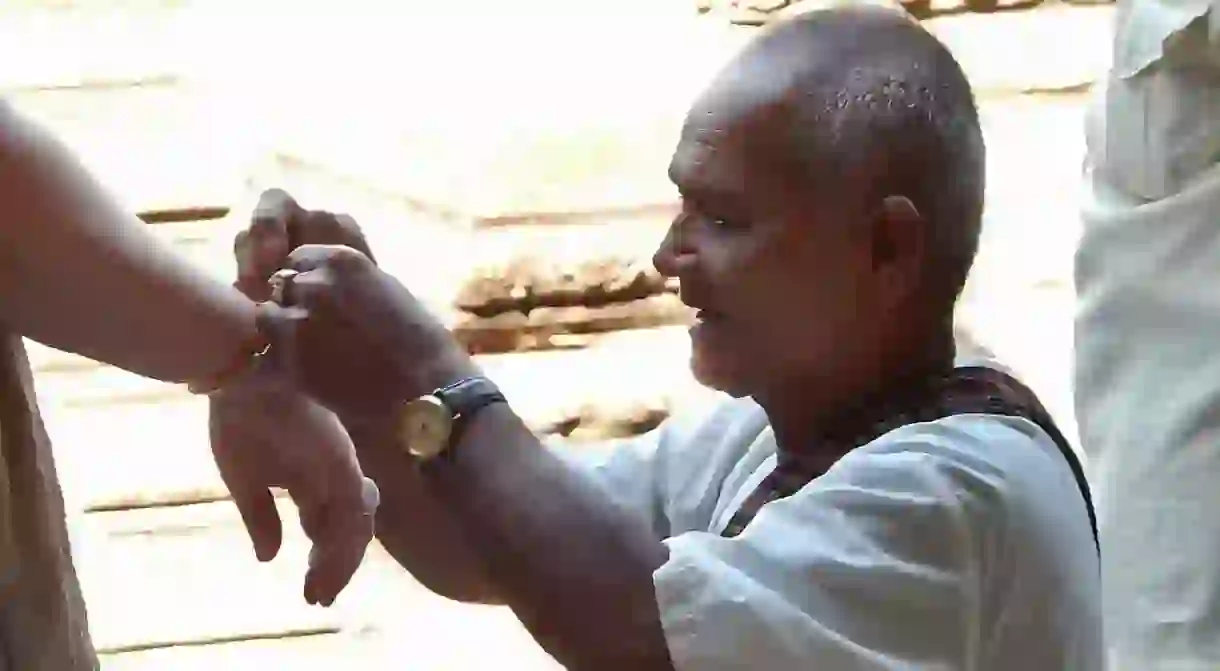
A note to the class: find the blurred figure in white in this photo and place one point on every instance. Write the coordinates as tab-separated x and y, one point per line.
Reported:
1147	354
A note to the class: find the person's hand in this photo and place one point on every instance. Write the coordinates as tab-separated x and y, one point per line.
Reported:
356	339
361	342
266	434
278	226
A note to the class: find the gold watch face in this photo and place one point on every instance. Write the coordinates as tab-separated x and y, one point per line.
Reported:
425	426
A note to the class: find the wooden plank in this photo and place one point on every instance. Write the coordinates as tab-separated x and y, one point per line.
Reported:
163	146
120	454
183	577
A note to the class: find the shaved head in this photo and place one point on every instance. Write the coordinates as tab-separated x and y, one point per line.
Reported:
852	105
832	191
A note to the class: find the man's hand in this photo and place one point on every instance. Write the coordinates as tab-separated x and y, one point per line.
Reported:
361	342
356	339
278	226
265	434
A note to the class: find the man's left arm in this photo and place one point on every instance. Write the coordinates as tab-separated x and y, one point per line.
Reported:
575	566
597	589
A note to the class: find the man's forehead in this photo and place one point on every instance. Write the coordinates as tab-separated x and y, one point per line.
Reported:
707	170
731	136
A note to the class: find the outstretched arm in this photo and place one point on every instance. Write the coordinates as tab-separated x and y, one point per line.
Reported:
79	273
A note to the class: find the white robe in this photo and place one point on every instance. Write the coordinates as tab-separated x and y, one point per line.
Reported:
957	544
1147	378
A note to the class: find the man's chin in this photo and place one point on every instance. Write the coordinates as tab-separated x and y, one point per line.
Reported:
714	374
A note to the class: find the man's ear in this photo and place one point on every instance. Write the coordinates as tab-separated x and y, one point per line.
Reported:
899	240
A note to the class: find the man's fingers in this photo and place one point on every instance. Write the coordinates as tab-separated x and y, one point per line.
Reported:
276	209
353	233
267	241
309	289
309	257
316	227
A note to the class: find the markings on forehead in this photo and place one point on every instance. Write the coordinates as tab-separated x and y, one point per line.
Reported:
702	172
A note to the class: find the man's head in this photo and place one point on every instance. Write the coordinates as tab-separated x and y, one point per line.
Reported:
832	183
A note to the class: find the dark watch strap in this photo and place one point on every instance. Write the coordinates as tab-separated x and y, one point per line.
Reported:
466	397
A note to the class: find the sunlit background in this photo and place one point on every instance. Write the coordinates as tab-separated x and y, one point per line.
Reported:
508	160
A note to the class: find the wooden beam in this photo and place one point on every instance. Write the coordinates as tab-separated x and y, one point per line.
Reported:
551	328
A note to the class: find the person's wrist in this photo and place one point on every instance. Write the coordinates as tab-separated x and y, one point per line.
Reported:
451	365
241	353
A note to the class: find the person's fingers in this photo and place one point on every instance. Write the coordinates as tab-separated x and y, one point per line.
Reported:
340	524
261	519
232	450
318	227
274	210
355	234
241	251
248	281
309	257
268	235
341	534
308	290
336	556
254	503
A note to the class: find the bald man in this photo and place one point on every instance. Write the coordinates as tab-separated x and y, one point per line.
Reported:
858	500
1148	334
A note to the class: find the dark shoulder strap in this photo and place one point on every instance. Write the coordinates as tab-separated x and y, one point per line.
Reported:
983	390
968	390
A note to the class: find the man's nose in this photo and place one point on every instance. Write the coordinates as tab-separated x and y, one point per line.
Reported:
675	255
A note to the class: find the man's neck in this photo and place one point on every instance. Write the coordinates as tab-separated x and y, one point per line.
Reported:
804	414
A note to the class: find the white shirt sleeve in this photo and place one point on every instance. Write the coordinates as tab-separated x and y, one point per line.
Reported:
626	469
868	567
1146	376
673	475
1158	130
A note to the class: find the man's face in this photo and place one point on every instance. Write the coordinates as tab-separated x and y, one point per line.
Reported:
784	284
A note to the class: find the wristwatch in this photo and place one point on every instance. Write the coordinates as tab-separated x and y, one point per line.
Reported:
429	425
